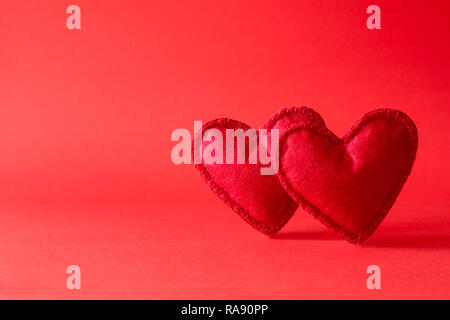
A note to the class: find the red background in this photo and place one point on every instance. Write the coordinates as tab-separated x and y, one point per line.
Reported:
85	122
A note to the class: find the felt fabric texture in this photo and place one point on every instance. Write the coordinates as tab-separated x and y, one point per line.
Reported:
349	184
259	199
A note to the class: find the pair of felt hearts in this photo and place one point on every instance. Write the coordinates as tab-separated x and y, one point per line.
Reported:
348	184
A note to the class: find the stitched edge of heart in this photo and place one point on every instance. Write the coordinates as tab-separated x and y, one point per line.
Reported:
348	235
222	194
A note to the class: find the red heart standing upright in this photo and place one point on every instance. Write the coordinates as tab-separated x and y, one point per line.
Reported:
349	184
259	199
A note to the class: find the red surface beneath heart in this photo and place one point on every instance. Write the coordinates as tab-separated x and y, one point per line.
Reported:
349	184
259	199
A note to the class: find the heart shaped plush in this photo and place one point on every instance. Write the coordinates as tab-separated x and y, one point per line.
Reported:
259	199
349	184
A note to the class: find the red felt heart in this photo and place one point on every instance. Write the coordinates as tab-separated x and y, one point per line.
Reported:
259	199
349	184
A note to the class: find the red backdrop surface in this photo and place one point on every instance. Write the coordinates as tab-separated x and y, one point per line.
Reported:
85	122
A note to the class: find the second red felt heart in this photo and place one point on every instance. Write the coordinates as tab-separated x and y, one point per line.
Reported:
349	184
